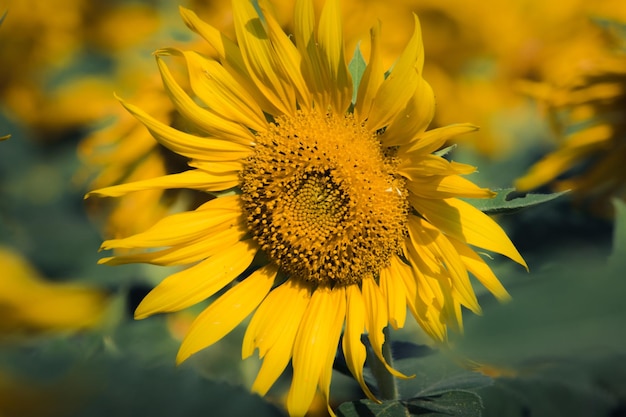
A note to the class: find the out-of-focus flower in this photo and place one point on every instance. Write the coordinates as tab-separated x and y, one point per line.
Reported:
41	40
585	98
322	212
29	303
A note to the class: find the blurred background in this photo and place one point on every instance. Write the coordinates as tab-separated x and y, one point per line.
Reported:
545	81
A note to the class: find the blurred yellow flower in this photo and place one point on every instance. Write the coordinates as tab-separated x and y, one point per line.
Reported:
585	97
29	303
41	40
323	213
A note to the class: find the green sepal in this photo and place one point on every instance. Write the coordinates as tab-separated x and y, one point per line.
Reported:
356	67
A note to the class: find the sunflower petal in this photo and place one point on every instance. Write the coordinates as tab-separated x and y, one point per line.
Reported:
434	139
209	122
288	56
448	256
259	58
431	165
353	349
225	313
312	69
373	77
394	292
330	38
376	321
413	119
447	186
193	251
316	336
273	330
477	266
466	223
192	179
339	315
215	215
186	288
401	84
188	145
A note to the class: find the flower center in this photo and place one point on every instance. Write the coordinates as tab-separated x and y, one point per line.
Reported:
322	199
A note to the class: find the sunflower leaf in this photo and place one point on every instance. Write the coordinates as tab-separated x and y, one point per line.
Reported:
452	403
356	67
508	199
370	408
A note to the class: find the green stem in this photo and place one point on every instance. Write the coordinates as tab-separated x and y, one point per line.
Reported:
387	387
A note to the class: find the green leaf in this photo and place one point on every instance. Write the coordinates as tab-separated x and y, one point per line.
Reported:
356	67
453	403
619	234
508	199
370	408
436	374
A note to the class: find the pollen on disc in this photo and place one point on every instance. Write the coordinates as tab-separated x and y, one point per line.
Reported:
322	199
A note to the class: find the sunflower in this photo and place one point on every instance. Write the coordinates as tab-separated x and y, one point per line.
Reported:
327	213
584	100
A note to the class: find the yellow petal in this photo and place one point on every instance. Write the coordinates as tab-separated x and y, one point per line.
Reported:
219	90
288	57
190	146
553	165
199	282
353	349
477	266
431	165
330	38
394	292
439	187
413	119
448	256
225	313
226	49
212	123
273	330
29	302
316	336
339	314
215	215
259	58
400	85
312	70
426	299
192	179
466	223
434	139
186	253
372	78
376	320
229	54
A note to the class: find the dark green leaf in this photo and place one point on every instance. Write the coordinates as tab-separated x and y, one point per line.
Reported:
436	374
356	67
370	409
509	199
453	403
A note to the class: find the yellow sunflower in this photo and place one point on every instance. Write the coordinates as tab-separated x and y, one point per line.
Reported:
584	99
326	214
